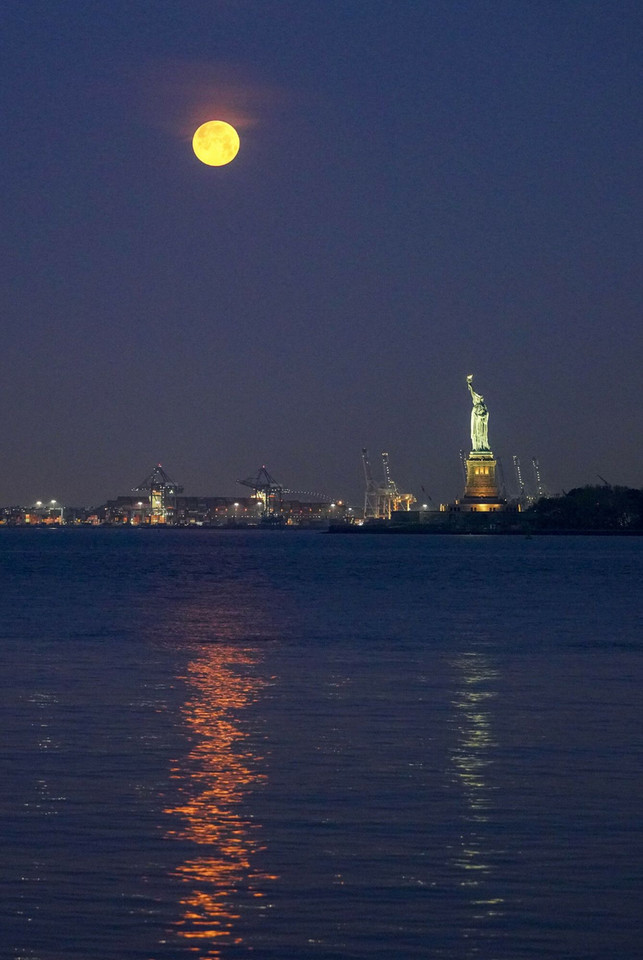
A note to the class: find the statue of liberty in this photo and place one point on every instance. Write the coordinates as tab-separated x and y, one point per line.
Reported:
479	421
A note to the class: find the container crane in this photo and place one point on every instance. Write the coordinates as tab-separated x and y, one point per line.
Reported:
541	490
463	464
396	500
381	499
161	491
268	492
521	482
371	495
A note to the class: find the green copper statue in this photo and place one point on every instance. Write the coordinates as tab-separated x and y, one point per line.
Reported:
479	420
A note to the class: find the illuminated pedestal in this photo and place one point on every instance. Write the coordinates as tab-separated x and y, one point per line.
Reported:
481	492
481	477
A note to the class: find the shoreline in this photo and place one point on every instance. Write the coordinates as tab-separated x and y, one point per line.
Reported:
341	529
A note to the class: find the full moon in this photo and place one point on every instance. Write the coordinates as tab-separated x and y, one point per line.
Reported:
215	143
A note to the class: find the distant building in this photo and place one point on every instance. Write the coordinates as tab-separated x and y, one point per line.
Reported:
137	509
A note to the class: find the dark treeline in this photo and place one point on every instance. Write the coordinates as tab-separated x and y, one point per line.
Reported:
590	508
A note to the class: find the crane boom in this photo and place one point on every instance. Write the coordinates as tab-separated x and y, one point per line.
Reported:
540	486
370	494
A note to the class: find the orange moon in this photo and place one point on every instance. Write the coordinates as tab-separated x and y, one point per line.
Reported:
215	143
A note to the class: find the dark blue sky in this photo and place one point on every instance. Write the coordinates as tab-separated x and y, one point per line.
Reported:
424	190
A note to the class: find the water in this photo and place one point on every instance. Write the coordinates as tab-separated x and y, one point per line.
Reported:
288	745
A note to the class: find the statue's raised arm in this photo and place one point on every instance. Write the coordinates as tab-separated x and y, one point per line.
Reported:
479	420
474	396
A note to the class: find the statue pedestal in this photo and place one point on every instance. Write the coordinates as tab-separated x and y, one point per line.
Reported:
481	477
481	494
481	498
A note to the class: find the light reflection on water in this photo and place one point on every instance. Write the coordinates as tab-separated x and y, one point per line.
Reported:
431	791
219	771
471	758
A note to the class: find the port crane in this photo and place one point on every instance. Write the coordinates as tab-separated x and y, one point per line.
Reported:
380	500
521	482
397	500
371	495
268	491
161	491
541	490
463	464
269	495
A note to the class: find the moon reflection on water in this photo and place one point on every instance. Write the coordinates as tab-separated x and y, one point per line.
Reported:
220	770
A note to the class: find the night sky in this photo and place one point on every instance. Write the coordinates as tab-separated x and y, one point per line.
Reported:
424	189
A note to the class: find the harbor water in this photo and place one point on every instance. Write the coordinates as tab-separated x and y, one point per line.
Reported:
299	746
